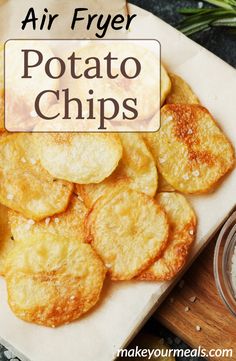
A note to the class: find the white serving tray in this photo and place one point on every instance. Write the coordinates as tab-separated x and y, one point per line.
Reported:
125	305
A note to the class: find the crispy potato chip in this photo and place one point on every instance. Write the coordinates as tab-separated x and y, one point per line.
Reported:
68	224
182	222
6	239
192	153
79	158
181	93
138	164
165	84
1	86
25	186
90	193
136	168
1	110
54	280
1	65
127	241
23	86
122	87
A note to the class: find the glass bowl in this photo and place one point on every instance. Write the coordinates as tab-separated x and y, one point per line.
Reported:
224	251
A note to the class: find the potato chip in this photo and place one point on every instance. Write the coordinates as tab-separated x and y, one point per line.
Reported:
192	153
128	230
6	239
68	224
144	87
1	86
1	65
23	86
54	280
90	193
25	186
182	222
79	158
165	84
181	93
136	168
1	110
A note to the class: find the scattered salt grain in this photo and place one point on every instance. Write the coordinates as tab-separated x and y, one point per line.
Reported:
29	224
79	198
198	328
193	299
190	131
47	221
32	161
72	298
108	265
56	220
185	177
187	309
10	196
196	173
162	159
191	232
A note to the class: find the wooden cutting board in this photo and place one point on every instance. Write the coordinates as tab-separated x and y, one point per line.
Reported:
218	326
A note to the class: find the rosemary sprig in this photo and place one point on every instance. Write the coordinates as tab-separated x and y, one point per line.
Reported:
199	19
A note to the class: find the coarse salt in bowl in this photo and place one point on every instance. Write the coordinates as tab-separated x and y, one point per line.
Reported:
225	263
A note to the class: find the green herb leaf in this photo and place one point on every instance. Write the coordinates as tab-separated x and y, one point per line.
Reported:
199	19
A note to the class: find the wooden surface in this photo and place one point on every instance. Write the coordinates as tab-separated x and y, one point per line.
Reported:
218	326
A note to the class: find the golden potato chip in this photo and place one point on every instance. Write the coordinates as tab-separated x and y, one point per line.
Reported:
182	221
25	186
90	193
54	280
181	93
192	153
1	86
121	87
23	86
1	65
136	168
128	230
68	224
1	110
165	84
138	164
79	158
6	239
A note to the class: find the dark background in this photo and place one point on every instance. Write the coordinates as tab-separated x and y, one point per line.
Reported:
223	45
